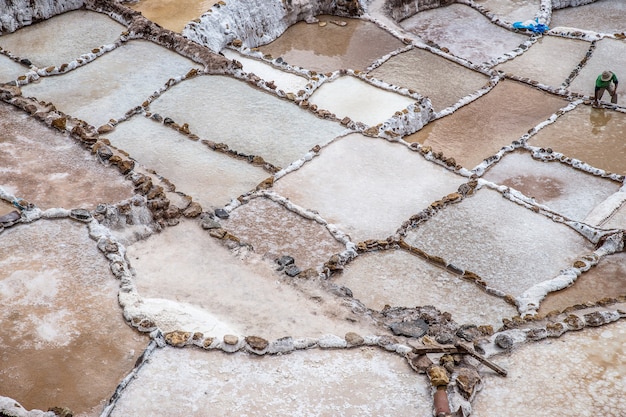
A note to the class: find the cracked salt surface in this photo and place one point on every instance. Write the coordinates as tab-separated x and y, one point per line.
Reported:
234	166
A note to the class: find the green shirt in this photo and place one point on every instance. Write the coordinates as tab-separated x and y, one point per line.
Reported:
605	84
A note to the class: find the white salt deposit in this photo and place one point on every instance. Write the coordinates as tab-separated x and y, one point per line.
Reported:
610	54
210	178
244	295
359	100
62	38
353	181
569	192
397	278
542	63
288	82
464	31
525	248
512	10
443	81
364	381
10	70
226	110
580	374
121	80
605	16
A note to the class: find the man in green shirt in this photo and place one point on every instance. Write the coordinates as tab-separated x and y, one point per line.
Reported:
603	83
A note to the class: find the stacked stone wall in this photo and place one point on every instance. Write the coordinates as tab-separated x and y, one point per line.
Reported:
15	14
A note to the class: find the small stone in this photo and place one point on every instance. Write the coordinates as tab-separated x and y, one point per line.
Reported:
412	328
438	376
193	210
444	338
469	332
285	261
504	341
257	343
230	339
177	338
221	213
467	379
292	271
354	339
420	363
209	223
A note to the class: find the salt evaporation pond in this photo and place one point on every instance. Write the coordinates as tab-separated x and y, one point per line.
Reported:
244	118
594	136
209	177
362	381
63	38
609	54
571	193
60	326
307	241
494	120
581	373
332	44
358	100
542	63
397	278
10	70
63	178
123	79
186	266
288	82
354	180
512	10
603	281
605	16
351	196
525	248
464	31
172	15
443	81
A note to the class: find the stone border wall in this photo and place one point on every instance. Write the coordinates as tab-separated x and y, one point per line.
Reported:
258	22
15	14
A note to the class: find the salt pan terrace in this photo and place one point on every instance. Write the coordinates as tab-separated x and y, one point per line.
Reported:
372	208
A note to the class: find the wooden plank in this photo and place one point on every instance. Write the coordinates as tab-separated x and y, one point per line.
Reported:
470	351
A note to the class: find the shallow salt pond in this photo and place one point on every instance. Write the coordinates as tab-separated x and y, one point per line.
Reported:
288	82
397	278
363	381
610	54
354	181
581	373
483	127
512	10
211	178
226	110
60	312
307	241
606	16
10	70
525	248
64	177
360	101
62	38
569	192
115	83
606	280
331	47
443	81
465	32
172	15
549	61
594	136
191	282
